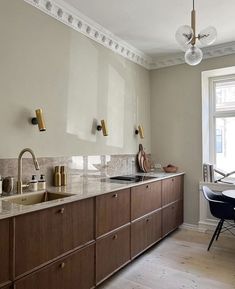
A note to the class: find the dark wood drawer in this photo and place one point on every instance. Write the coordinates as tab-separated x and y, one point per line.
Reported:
44	235
172	217
145	232
4	251
74	271
172	190
6	287
112	211
112	252
145	199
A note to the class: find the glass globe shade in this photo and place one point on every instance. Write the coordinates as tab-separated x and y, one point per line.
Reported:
184	35
208	35
193	55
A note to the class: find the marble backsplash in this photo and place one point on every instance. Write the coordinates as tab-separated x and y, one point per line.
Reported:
99	166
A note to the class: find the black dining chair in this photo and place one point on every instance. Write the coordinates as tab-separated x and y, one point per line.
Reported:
221	209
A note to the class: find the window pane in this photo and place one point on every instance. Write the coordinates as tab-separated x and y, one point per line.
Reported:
225	143
225	96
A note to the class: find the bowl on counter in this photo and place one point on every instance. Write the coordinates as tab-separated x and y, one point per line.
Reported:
170	169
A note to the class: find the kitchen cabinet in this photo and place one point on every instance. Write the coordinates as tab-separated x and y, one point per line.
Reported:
112	252
112	211
172	190
73	271
80	244
172	217
44	235
5	242
145	199
172	196
145	232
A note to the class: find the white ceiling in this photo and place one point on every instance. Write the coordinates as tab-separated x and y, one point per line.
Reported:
150	25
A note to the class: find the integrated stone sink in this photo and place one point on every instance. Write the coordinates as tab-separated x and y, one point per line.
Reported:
36	198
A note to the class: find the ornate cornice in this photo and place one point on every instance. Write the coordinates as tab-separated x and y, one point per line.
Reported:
71	17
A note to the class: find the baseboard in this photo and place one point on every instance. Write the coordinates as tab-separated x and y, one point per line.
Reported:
201	227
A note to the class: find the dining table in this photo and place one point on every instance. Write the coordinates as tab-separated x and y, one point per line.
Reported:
230	195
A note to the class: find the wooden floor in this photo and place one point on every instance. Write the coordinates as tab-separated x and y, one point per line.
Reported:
181	261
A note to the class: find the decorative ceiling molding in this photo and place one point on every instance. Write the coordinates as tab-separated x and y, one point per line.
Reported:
71	17
208	52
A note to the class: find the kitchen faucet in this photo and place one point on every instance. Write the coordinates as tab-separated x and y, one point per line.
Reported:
19	181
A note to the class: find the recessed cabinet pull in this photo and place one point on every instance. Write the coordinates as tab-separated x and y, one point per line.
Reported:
115	237
62	265
61	211
172	180
115	195
147	186
147	220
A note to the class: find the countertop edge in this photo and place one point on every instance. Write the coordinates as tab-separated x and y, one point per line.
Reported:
16	210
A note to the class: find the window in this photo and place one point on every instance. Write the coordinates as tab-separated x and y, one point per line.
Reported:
222	122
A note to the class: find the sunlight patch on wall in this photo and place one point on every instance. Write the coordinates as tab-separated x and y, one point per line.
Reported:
82	90
116	108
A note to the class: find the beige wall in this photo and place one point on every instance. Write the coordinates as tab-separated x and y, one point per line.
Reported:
176	123
45	64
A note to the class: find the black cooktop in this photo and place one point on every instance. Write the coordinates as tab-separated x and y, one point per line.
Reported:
128	179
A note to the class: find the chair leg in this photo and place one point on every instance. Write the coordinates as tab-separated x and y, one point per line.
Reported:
214	235
220	228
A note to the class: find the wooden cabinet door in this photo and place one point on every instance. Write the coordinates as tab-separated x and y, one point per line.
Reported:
180	213
44	235
168	191
112	252
179	187
73	272
145	199
145	232
7	287
112	211
4	251
172	217
172	190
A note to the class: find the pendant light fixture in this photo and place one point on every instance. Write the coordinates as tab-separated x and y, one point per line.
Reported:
186	37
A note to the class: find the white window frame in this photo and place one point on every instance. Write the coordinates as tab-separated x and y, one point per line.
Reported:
209	78
213	114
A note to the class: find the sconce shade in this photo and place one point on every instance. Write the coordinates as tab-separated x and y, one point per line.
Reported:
140	131
39	120
103	127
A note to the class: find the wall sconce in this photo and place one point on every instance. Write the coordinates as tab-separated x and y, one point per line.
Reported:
140	131
102	127
39	120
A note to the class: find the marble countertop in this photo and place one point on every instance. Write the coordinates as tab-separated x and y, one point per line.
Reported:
85	188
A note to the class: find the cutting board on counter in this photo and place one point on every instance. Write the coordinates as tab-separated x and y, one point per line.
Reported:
143	161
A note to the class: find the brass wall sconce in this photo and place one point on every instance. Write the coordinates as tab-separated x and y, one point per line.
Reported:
140	131
103	127
39	120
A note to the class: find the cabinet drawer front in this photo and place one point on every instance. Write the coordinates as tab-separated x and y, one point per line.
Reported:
112	252
44	235
172	217
145	232
172	190
74	271
112	211
145	199
4	251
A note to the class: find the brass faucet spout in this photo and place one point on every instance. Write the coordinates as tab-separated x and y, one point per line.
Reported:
36	165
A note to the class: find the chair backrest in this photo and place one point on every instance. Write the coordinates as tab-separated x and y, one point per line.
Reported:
211	196
219	208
